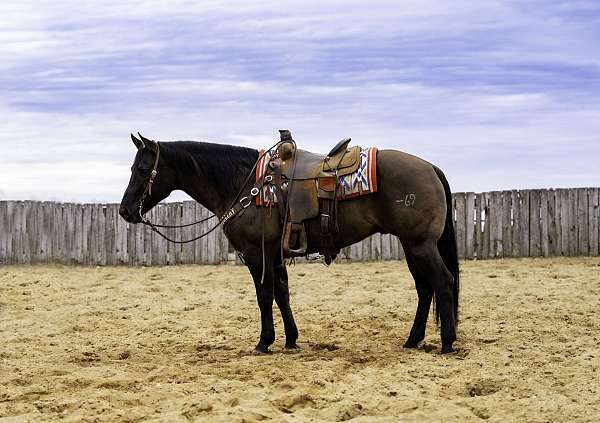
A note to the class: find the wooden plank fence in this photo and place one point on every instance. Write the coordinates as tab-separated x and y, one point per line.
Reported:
526	223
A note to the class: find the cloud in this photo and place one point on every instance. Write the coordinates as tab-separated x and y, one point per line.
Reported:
504	89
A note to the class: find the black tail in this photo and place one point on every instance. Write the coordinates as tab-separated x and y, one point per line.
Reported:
447	244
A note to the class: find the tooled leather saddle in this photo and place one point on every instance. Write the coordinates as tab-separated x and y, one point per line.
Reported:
308	184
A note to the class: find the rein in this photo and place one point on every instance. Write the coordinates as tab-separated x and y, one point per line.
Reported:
235	208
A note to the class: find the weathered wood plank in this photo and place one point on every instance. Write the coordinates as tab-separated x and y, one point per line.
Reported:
563	197
515	201
177	218
401	254
496	247
355	251
102	234
33	234
40	252
117	235
386	250
224	248
470	225
572	198
140	239
67	228
553	224
78	235
545	223
583	247
506	223
10	219
57	250
557	221
594	220
187	250
199	245
366	249
535	244
19	229
524	223
94	235
162	244
487	226
171	217
152	240
3	232
376	247
480	210
27	232
47	231
122	238
394	243
17	217
459	213
212	245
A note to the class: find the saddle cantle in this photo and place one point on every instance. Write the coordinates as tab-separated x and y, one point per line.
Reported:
311	191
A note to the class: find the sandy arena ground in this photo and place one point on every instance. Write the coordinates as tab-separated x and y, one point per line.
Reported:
173	344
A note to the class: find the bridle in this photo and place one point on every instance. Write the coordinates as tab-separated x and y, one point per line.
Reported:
148	189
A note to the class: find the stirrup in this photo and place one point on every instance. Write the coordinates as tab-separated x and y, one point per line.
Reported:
294	239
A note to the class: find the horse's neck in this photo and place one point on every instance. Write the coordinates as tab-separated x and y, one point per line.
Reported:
213	193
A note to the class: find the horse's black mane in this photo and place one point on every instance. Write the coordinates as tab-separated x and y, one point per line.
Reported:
228	164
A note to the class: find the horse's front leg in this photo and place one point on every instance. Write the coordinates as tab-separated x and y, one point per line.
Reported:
282	298
264	297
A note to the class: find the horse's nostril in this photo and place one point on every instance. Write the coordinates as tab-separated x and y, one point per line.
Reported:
123	212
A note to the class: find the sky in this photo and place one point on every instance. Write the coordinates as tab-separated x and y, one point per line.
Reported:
499	94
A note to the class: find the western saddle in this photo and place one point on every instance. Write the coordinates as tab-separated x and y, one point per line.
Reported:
307	187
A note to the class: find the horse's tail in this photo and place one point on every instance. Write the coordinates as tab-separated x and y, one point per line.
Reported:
447	245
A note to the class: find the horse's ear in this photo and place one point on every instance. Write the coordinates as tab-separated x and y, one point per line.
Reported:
148	143
138	143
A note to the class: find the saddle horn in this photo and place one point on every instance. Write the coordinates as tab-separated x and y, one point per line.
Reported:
286	148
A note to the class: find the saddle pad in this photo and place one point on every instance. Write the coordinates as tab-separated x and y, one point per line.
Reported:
361	182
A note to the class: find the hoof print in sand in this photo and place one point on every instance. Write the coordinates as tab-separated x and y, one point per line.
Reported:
482	387
294	402
192	410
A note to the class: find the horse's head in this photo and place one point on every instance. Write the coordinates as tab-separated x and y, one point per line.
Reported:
151	180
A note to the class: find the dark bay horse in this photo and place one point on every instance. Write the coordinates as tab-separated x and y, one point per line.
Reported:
216	175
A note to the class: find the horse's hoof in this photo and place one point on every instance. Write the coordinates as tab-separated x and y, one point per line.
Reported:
260	350
411	344
293	346
447	349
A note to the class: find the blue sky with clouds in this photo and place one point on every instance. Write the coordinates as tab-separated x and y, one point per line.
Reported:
500	94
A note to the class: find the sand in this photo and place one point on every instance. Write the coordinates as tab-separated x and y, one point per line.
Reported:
174	344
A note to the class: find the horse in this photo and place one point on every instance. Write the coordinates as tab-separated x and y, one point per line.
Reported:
221	177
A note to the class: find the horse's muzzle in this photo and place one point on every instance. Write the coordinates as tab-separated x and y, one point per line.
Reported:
128	216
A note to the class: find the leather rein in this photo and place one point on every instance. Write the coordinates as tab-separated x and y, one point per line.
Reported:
236	207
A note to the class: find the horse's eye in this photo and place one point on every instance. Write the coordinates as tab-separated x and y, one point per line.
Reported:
145	165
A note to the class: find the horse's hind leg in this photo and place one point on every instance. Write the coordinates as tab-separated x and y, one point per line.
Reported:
429	264
425	293
282	298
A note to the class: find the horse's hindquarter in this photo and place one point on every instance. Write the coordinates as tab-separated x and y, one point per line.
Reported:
409	202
